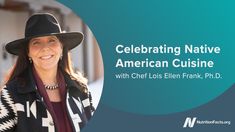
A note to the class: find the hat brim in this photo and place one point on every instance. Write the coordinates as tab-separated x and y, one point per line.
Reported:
70	40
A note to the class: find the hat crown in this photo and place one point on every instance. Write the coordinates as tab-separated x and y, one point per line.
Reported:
41	24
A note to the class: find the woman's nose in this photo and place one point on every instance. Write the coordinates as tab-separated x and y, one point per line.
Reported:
45	45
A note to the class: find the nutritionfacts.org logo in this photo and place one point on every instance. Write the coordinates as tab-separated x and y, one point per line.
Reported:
190	122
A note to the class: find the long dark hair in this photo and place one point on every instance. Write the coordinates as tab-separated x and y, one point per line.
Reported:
64	64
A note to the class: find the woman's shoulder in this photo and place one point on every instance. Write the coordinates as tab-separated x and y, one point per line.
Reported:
22	80
17	81
11	87
75	80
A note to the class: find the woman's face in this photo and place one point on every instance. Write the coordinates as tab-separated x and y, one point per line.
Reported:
45	52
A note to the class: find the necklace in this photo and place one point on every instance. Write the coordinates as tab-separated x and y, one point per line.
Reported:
51	87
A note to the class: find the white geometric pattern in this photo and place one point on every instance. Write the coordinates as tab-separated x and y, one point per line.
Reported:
33	109
48	122
7	124
75	117
19	107
8	99
78	103
86	102
4	112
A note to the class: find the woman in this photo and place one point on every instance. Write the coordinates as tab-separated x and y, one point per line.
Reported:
43	93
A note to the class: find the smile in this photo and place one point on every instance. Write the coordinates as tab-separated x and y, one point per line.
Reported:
47	57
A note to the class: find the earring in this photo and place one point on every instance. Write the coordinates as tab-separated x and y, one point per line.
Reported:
30	60
61	56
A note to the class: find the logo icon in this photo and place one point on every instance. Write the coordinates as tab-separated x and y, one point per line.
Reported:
189	122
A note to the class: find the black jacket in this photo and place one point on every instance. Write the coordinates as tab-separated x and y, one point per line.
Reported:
22	108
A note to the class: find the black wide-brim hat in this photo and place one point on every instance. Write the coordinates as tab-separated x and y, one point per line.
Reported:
44	24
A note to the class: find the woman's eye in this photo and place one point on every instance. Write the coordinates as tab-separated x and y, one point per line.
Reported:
35	43
52	40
